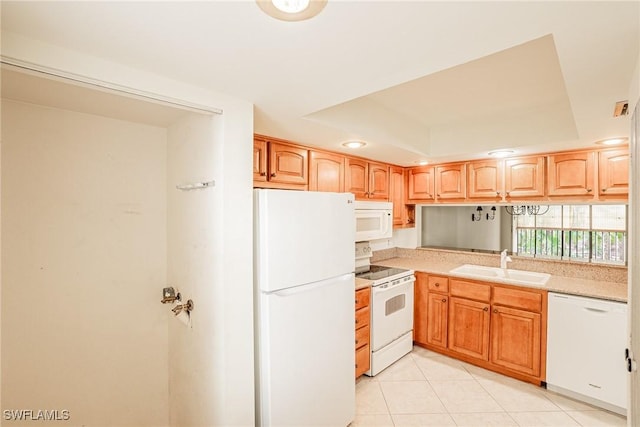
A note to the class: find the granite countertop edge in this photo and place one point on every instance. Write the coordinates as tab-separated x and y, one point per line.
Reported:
566	285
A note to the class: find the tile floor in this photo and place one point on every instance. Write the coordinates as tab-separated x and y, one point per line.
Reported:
427	389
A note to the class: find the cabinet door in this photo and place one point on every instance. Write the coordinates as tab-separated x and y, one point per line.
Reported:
326	172
571	174
614	173
437	316
357	178
363	360
420	292
378	181
469	327
396	195
422	183
524	177
259	160
485	180
515	340
288	164
450	182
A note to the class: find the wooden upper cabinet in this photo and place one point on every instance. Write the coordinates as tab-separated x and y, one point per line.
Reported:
259	160
326	172
288	164
396	194
485	179
357	177
421	182
450	181
571	174
524	177
613	168
367	180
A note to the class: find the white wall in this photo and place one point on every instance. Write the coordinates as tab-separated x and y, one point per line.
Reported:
84	252
233	265
205	386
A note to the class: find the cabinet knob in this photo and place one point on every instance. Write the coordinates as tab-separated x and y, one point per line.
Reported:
356	342
263	174
495	310
588	190
497	193
356	321
485	309
356	302
273	175
507	193
604	189
444	300
437	284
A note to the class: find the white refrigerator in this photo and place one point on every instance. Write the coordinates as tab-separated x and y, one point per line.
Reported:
304	301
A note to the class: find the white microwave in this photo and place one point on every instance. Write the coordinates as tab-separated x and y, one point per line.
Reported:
374	220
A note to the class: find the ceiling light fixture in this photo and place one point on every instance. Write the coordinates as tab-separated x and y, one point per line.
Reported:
500	153
292	10
612	141
354	144
422	162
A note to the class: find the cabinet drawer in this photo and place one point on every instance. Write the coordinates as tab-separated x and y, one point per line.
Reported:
362	336
362	297
363	361
438	284
362	317
471	290
518	298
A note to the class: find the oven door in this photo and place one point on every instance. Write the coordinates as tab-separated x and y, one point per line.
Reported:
391	312
372	224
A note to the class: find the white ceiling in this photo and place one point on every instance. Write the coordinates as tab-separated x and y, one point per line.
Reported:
416	80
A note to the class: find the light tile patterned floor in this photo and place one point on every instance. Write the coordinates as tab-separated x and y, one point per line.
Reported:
427	389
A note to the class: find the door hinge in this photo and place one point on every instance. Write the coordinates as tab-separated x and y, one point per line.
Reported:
631	363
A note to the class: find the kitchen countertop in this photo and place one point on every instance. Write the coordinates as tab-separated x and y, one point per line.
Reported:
567	285
362	283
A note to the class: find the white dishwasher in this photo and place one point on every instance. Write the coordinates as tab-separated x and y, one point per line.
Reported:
586	339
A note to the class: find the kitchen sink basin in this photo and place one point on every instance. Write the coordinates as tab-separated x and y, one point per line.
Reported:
495	274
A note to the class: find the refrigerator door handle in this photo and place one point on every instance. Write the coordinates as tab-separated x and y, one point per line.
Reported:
310	286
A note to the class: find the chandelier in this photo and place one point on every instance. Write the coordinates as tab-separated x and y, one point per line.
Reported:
527	210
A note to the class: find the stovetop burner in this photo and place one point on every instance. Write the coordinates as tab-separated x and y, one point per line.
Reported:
378	272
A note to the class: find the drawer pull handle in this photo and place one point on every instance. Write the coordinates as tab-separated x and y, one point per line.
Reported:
444	300
437	284
588	190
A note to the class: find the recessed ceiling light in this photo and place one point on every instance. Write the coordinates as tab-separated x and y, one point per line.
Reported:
422	162
501	153
292	10
354	144
612	141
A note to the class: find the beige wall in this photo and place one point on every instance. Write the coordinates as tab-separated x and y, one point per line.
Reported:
84	256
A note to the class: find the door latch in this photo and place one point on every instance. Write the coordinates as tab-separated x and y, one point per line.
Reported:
631	363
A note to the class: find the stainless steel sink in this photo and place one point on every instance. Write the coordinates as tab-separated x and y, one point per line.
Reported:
495	274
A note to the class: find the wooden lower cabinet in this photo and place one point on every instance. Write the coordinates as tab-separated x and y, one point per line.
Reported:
516	339
469	327
495	326
362	321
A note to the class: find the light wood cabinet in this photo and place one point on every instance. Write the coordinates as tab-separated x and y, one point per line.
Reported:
278	164
485	180
367	180
420	304
450	182
259	160
516	339
495	326
396	196
362	316
469	327
326	172
571	174
613	171
524	178
421	183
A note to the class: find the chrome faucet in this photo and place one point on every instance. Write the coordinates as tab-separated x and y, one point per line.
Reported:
504	259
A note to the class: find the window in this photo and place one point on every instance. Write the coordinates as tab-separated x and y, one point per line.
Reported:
589	233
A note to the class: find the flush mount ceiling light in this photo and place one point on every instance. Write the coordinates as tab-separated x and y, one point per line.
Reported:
500	153
612	141
354	144
422	162
292	10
